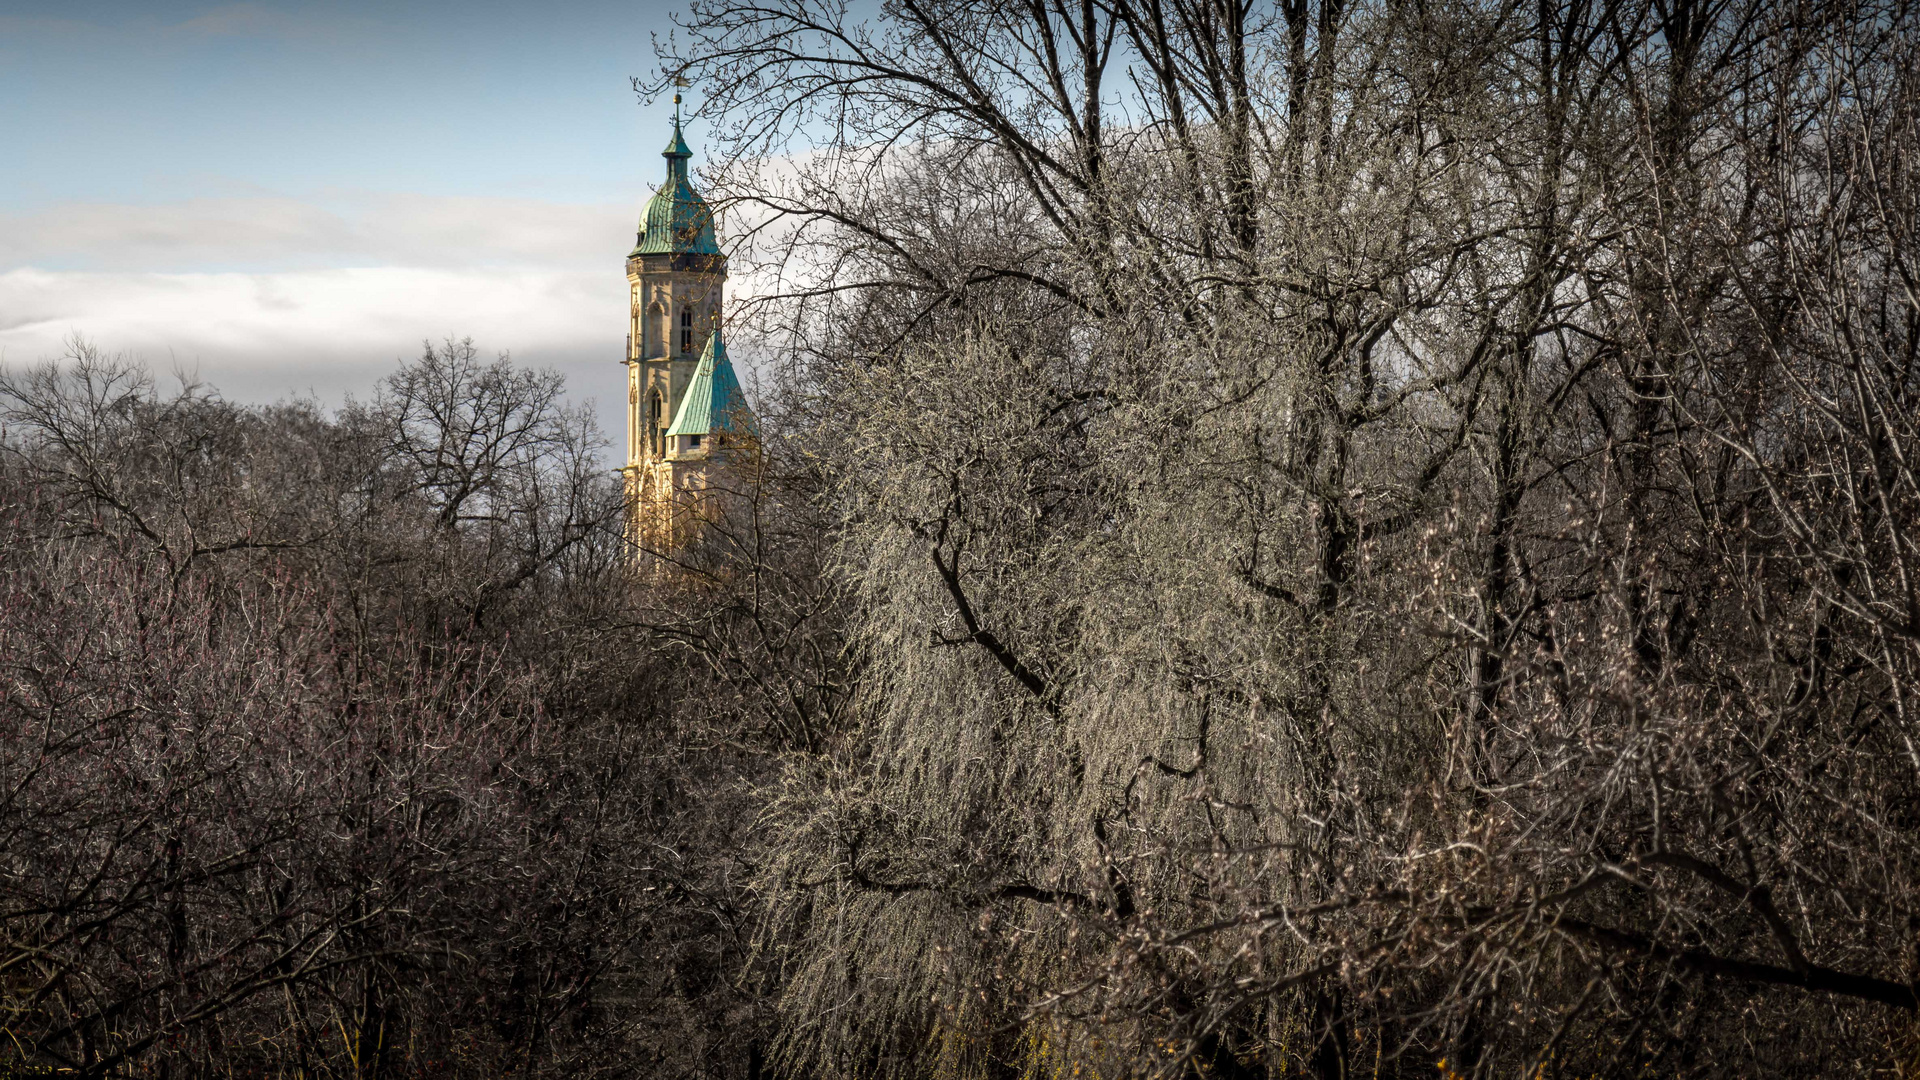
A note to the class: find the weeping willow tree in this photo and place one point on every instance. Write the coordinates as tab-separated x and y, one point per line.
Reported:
1377	531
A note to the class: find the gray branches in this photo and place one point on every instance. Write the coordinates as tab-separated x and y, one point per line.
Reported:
1475	438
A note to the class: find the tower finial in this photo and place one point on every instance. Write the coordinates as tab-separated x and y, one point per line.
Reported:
676	152
679	83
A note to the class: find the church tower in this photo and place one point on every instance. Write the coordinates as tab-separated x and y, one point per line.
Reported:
686	415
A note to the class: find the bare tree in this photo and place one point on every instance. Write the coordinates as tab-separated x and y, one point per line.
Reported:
330	744
1373	529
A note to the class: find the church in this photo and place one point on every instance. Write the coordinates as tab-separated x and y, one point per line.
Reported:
689	429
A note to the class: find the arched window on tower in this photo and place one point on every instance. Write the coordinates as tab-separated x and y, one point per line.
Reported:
655	443
686	329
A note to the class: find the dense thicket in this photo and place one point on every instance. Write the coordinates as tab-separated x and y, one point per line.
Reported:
347	745
1381	533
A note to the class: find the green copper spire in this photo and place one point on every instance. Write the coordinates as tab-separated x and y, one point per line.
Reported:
677	149
713	401
677	221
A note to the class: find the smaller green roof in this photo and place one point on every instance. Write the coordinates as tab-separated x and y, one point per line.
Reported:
713	401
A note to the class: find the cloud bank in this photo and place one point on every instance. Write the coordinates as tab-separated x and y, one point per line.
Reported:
271	231
267	297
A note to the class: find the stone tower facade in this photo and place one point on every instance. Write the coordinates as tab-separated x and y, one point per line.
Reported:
686	416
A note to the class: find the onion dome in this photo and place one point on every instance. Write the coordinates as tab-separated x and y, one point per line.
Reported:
677	221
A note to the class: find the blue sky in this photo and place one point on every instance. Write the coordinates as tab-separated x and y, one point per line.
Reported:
284	198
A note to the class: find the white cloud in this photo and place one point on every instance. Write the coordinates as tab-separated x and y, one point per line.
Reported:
268	336
348	228
319	312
